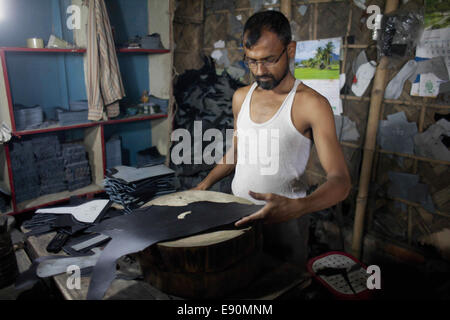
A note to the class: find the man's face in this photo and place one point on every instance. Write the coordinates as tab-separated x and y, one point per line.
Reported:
268	60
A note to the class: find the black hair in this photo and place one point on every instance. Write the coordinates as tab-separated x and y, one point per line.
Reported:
273	21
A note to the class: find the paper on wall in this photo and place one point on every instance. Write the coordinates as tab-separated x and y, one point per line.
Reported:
330	90
433	43
428	85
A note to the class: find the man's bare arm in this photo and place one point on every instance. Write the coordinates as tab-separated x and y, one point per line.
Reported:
338	184
228	163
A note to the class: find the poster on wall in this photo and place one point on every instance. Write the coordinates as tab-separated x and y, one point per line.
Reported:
317	64
434	42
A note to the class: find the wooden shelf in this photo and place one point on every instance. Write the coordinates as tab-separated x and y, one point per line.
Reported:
90	124
125	50
55	50
54	128
55	198
139	117
80	50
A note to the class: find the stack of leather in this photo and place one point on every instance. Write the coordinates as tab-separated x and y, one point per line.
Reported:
113	152
42	165
25	173
132	193
77	169
28	117
204	96
67	118
50	163
149	157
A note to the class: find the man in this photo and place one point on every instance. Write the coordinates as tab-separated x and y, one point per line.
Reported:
277	102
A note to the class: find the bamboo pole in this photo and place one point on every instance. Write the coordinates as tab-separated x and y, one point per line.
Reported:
209	13
421	123
417	104
404	155
411	156
418	205
406	103
349	26
370	141
355	46
311	17
316	14
318	1
286	8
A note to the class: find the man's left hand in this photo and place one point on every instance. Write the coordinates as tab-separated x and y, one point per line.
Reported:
277	209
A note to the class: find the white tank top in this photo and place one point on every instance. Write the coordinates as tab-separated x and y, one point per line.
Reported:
273	171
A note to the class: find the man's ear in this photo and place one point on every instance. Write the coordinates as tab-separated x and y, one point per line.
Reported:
291	48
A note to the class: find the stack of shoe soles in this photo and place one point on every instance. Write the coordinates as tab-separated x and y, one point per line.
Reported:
78	113
114	152
44	166
77	169
204	96
27	118
25	173
50	163
150	157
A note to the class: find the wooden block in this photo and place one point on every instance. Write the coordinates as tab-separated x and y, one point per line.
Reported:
206	285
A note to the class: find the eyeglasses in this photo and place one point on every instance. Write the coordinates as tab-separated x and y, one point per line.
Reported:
270	62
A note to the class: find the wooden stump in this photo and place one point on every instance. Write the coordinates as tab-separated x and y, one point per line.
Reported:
208	265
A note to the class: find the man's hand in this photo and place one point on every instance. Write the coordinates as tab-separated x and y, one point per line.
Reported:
201	186
277	209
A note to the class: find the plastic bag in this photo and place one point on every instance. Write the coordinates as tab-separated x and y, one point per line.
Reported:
400	32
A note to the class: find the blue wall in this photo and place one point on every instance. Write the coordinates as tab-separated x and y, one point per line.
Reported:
47	79
129	18
136	136
25	19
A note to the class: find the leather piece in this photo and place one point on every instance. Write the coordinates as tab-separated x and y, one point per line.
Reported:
30	277
144	227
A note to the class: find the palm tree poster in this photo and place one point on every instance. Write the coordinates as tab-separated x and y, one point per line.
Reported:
317	65
317	59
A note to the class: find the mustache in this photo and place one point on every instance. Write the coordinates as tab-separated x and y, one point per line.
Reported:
265	76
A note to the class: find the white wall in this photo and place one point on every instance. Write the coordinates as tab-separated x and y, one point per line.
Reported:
160	67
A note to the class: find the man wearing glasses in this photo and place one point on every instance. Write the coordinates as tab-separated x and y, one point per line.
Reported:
277	102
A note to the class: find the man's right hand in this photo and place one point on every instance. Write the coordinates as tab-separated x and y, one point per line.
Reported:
201	186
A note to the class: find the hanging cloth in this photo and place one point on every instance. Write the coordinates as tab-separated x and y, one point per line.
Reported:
104	81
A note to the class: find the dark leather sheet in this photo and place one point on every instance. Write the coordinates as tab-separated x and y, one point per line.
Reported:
144	227
147	226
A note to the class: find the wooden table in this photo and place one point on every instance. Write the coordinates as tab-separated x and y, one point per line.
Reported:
277	277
